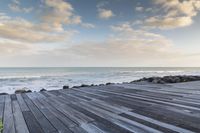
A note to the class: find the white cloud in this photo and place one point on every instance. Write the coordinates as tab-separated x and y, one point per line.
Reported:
169	22
55	15
24	30
16	7
105	13
174	14
88	25
59	13
126	47
139	8
13	48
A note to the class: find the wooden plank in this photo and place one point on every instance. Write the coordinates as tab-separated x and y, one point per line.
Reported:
32	123
102	123
156	112
159	97
68	122
2	103
50	116
78	130
72	96
20	124
75	115
91	128
120	121
22	103
2	98
42	120
152	100
8	122
118	110
99	102
13	97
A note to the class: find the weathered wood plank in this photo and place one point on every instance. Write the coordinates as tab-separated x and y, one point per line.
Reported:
122	108
22	103
139	105
149	99
117	110
42	120
13	97
32	124
91	128
70	112
107	125
67	122
121	121
50	116
20	124
2	103
8	121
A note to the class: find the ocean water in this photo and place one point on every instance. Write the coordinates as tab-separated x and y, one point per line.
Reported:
55	78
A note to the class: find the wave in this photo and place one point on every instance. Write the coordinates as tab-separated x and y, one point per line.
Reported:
177	71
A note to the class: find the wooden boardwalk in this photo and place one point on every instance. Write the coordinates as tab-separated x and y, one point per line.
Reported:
123	108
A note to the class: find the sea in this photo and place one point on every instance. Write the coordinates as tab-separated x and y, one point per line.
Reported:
51	78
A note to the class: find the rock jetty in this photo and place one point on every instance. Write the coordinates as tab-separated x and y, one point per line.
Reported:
169	79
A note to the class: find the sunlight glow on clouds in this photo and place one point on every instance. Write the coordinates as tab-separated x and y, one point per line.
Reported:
105	14
24	30
177	13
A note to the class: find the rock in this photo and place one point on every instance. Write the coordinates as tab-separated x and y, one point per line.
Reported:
76	87
28	91
22	91
43	90
83	85
158	81
169	79
3	94
65	87
108	83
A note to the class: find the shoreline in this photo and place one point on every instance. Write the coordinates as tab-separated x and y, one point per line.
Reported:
155	80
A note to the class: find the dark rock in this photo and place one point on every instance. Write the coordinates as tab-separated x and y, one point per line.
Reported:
22	91
108	83
28	91
76	87
169	79
83	85
3	94
43	90
65	87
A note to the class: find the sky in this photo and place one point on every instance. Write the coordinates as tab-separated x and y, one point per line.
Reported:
99	33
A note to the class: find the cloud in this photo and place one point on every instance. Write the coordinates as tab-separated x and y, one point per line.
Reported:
16	7
55	16
173	14
59	13
105	13
139	8
24	30
13	48
169	22
127	47
88	25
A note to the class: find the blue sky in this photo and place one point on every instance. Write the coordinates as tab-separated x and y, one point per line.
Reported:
99	33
